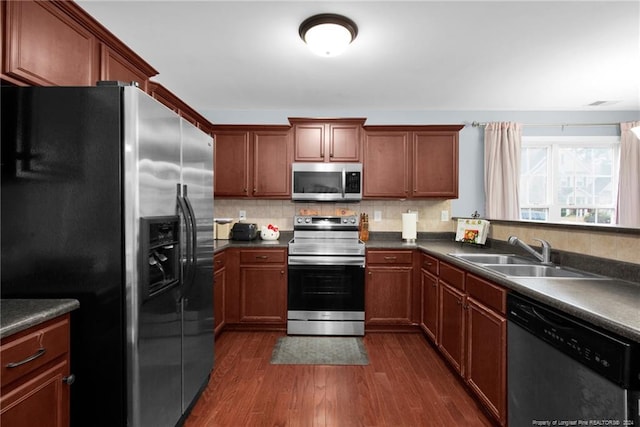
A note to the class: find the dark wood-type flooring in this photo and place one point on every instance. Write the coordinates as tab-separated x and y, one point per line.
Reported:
405	384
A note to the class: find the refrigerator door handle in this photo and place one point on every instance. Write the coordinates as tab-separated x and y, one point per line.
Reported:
182	205
194	237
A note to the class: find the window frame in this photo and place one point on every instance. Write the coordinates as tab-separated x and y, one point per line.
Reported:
553	145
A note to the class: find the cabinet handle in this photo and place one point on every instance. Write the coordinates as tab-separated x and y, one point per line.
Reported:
433	285
390	258
370	273
281	271
255	190
69	379
262	256
428	264
41	351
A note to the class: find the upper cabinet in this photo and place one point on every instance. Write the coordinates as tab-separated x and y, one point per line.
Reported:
169	99
410	161
252	161
58	44
327	140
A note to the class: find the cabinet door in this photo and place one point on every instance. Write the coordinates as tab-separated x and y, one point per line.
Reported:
46	47
271	160
219	295
263	294
115	67
231	163
388	295
309	142
385	164
451	325
486	369
435	164
344	142
41	401
429	315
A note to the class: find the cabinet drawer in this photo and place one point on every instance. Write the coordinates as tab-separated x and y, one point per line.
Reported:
219	260
262	256
389	257
31	349
430	264
452	275
487	293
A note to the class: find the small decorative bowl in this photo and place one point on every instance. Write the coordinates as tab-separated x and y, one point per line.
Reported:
269	234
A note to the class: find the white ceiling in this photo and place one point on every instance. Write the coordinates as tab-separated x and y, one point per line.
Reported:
413	55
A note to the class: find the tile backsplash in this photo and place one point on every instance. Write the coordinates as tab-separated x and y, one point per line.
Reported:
598	243
281	212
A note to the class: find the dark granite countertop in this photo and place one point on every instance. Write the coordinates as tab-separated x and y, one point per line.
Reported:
610	303
19	314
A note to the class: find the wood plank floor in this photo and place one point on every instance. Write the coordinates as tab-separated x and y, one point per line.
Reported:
405	384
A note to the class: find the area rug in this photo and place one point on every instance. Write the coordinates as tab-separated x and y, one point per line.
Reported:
319	351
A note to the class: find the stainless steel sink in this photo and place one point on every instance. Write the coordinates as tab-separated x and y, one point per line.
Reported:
537	271
494	258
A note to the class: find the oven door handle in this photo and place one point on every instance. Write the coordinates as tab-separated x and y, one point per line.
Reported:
312	260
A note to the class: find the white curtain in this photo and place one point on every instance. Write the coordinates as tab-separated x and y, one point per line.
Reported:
502	142
629	182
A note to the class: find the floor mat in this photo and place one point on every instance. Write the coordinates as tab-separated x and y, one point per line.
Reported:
319	351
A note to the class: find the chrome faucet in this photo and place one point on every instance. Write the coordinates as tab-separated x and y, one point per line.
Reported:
544	257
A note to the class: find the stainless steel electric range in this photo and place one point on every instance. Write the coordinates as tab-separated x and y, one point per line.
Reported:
326	277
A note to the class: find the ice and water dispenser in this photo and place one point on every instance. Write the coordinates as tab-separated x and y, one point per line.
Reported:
160	252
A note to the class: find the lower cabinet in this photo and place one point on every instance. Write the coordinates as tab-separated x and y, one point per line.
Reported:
263	286
451	325
429	268
219	291
35	376
486	345
388	288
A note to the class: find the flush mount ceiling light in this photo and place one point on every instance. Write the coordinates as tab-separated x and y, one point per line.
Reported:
328	34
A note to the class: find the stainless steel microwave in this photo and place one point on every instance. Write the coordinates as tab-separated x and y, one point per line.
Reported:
327	182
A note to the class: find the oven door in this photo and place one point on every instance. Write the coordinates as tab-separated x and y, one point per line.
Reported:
326	295
318	283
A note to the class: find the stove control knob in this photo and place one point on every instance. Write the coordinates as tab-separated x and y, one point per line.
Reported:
299	220
344	220
307	220
353	220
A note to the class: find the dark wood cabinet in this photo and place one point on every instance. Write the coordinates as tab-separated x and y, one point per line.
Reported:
429	288
451	325
322	140
171	101
263	286
48	43
410	161
114	66
388	288
252	161
36	391
44	46
385	164
219	291
486	345
435	164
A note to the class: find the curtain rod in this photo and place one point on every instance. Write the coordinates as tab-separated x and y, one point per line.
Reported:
477	124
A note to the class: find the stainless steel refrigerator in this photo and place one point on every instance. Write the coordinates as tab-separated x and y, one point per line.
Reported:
107	197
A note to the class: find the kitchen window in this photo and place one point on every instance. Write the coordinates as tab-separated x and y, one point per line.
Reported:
569	179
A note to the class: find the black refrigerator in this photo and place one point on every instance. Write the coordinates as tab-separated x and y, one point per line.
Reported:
107	197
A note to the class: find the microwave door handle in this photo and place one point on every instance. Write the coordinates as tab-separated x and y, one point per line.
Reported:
344	182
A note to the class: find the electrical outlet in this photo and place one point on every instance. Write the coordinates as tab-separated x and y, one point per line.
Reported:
377	215
444	216
242	215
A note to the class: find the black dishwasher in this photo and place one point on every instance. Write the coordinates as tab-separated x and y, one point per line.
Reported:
564	371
